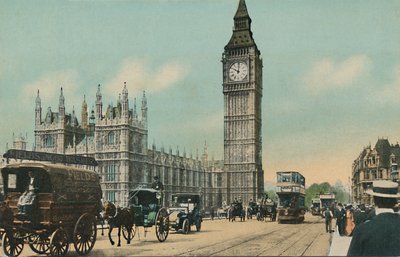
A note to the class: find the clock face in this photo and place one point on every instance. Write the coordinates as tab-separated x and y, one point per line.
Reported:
238	71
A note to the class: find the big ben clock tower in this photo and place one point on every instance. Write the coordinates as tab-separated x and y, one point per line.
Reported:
242	88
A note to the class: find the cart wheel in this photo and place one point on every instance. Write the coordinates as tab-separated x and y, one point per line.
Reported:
39	243
85	233
12	246
185	226
59	243
198	225
162	225
125	232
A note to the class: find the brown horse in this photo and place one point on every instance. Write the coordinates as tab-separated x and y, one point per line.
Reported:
116	218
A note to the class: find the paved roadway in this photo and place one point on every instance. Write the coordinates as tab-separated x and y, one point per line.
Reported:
222	238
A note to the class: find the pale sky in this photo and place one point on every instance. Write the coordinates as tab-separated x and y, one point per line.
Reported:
331	72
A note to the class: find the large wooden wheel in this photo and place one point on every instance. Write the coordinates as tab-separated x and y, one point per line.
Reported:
59	243
85	233
128	236
39	243
12	246
162	225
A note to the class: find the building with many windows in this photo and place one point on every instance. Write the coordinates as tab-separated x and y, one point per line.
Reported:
242	89
117	137
377	163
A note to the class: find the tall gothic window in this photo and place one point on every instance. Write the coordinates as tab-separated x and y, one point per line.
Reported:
111	138
111	172
49	141
110	196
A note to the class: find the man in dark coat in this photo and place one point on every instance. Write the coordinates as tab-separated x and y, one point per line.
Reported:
328	220
340	215
380	235
157	184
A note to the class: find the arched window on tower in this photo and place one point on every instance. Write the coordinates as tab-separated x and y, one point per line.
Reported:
48	141
111	138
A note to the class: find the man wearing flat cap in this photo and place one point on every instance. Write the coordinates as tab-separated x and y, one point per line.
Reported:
380	235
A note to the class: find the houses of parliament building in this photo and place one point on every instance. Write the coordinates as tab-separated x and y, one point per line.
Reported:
117	136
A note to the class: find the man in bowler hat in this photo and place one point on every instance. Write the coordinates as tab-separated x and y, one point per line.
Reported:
380	235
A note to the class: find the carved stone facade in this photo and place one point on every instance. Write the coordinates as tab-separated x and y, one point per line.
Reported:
373	164
117	138
242	88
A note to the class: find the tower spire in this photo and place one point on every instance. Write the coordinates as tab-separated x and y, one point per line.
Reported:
242	35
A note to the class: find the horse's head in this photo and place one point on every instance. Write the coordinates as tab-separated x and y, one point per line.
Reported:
6	215
109	209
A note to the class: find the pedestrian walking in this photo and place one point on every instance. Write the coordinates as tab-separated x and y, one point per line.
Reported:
350	224
379	236
328	220
340	215
360	215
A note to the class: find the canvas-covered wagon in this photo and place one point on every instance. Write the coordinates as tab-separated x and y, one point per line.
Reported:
49	207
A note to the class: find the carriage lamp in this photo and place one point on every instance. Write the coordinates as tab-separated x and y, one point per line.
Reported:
158	195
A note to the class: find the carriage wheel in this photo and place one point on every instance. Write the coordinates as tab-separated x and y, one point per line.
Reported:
59	243
185	226
12	246
85	233
39	243
162	225
125	232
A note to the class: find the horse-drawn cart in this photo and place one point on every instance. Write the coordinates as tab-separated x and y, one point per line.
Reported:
63	209
236	210
145	205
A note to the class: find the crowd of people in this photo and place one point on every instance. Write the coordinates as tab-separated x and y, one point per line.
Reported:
374	229
347	218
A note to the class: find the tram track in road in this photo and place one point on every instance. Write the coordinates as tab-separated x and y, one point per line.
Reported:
300	238
274	248
311	243
232	243
254	245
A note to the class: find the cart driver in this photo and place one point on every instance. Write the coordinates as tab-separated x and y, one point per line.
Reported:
157	185
28	202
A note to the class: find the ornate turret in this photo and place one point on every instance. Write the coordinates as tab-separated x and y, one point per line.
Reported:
144	110
61	107
99	104
125	102
38	110
84	114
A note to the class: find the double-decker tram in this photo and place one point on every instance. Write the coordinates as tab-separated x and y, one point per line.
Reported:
290	189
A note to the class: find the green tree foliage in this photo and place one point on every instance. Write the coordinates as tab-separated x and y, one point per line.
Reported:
272	195
315	190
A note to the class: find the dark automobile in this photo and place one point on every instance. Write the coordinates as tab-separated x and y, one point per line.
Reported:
185	212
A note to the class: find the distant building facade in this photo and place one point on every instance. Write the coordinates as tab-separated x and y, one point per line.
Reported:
117	137
373	164
242	88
